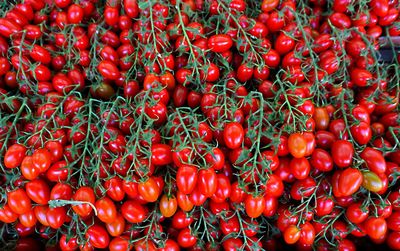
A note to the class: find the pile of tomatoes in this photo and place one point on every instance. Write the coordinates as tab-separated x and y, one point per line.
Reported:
199	125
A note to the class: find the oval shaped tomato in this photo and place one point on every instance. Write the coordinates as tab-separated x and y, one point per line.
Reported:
161	154
291	234
97	236
108	70
254	205
207	181
350	181
374	160
186	178
342	153
375	227
219	43
321	160
133	212
297	145
28	170
56	217
7	215
14	155
117	227
168	205
149	190
41	159
372	182
106	210
38	191
84	194
233	135
300	168
18	201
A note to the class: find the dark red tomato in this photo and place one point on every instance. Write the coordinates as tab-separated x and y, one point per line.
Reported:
321	118
111	15
360	77
131	8
357	213
254	205
106	210
362	133
133	212
84	194
219	43
245	72
69	245
393	221
374	160
216	159
56	150
324	206
393	240
38	191
342	153
232	244
75	14
8	27
14	155
97	236
108	70
340	20
114	187
307	234
303	188
59	171
300	168
56	217
321	160
186	239
18	201
284	44
375	227
161	154
233	135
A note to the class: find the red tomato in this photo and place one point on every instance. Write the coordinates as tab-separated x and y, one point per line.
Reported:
207	181
106	210
149	190
254	205
97	236
161	154
186	178
38	191
233	135
342	153
18	201
56	217
14	156
186	239
219	43
291	234
133	212
41	159
297	145
376	227
83	194
350	181
374	160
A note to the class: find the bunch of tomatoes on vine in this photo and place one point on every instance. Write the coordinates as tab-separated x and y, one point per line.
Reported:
199	125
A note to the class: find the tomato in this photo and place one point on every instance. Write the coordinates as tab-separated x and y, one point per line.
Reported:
7	215
362	133
186	178
18	201
321	160
223	189
131	8
111	15
297	145
168	205
350	181
161	154
186	239
106	210
56	217
307	234
68	243
268	5
321	118
233	135
41	214
97	236
219	43
291	234
357	213
254	205
117	227
342	153
393	240
374	160
184	201
376	227
300	168
38	191
61	191
245	72
28	170
133	212
14	155
75	14
207	181
59	171
232	244
8	27
149	190
56	150
372	182
85	194
284	44
108	70
324	206
41	159
120	243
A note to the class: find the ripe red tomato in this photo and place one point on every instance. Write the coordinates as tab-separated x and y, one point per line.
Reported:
233	135
97	236
254	205
56	217
18	201
133	212
186	239
83	194
106	210
349	181
149	190
342	153
375	227
161	154
38	191
41	159
186	178
374	160
207	181
297	145
14	155
219	43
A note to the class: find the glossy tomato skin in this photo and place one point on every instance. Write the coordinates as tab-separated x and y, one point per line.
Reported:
18	201
374	160
97	236
186	178
342	153
106	210
254	205
297	145
84	194
14	156
219	43
233	135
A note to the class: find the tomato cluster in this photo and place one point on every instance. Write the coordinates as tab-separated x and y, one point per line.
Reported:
199	125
